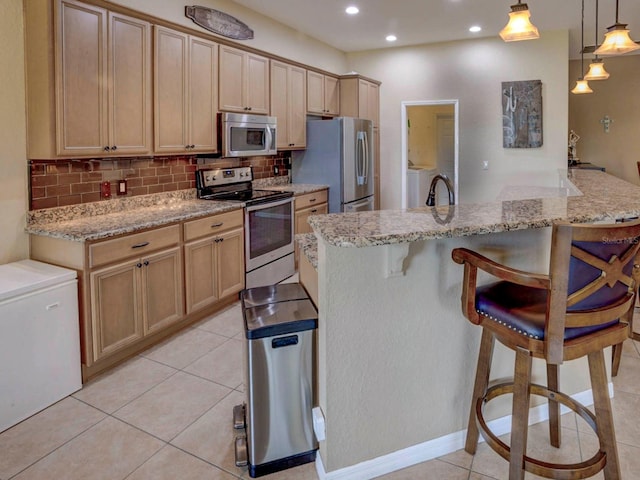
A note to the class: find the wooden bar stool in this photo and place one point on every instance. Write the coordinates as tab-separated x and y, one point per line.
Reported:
583	305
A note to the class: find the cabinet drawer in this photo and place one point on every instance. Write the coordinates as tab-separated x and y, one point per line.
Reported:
135	244
309	199
212	225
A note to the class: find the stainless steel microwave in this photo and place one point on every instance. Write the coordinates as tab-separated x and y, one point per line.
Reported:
247	135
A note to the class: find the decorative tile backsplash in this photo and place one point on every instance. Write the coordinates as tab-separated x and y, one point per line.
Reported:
55	183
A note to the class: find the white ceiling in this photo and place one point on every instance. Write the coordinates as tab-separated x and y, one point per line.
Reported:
430	21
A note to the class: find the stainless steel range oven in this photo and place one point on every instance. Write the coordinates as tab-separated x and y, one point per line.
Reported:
268	222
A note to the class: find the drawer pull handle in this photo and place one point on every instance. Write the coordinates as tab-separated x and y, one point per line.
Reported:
52	306
312	200
314	210
140	245
216	225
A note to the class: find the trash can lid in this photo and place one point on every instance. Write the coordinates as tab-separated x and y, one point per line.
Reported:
279	318
282	292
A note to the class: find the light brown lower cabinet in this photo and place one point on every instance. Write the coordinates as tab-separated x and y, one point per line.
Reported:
135	298
314	203
137	289
214	268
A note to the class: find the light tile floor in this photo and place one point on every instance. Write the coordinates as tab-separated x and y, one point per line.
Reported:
167	414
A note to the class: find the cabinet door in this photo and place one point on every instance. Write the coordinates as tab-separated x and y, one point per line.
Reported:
81	93
368	101
201	283
162	299
301	217
116	316
315	93
232	65
170	90
279	102
129	61
331	95
230	263
257	84
297	107
203	95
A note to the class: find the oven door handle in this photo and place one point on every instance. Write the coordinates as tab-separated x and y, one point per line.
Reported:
274	203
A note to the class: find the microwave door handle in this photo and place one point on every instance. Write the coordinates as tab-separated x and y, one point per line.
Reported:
269	143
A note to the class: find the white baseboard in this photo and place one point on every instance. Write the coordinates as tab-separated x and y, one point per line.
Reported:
437	447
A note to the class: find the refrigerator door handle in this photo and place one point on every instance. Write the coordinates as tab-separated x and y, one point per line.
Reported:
361	172
366	157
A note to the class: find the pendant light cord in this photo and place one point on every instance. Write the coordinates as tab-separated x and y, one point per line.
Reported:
595	45
582	45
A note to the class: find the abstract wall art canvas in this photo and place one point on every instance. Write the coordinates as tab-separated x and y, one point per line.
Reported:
522	114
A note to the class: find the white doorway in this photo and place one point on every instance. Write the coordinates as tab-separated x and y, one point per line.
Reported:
430	140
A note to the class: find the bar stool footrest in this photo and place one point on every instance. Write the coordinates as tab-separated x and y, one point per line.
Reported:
559	471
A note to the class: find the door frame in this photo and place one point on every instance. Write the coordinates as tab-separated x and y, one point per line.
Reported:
405	141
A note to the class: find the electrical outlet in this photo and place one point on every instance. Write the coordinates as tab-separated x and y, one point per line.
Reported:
122	187
485	164
105	190
276	170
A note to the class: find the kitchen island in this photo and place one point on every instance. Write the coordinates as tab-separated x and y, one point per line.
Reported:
396	357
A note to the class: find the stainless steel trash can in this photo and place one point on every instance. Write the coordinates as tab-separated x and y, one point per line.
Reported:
280	324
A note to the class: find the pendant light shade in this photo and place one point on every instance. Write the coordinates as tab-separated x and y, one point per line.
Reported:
519	26
617	40
582	86
596	71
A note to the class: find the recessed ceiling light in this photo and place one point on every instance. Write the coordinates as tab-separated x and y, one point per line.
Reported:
391	38
352	10
475	29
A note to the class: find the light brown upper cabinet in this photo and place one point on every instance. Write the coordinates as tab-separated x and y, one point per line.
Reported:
244	82
289	104
323	94
360	98
91	93
185	96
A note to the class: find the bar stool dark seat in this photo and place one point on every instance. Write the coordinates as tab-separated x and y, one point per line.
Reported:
582	306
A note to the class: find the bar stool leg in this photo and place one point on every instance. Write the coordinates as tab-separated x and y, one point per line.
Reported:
520	413
616	355
483	371
604	417
554	407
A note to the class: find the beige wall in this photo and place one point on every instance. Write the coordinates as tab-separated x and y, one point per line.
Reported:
269	35
472	71
13	158
619	98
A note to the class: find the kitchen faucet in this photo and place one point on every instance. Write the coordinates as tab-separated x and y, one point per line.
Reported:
431	198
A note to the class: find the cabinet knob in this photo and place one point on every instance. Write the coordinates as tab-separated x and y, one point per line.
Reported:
106	149
192	146
139	265
114	147
146	263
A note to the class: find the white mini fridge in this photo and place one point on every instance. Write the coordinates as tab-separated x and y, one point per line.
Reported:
39	338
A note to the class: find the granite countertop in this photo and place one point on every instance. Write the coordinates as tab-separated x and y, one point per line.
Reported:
99	220
603	197
298	188
308	244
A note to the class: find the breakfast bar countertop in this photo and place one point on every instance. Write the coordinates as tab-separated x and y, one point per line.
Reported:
601	197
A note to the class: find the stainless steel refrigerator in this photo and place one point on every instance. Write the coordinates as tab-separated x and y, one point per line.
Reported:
339	153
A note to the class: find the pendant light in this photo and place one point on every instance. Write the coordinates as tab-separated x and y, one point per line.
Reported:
617	40
519	26
596	68
582	86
